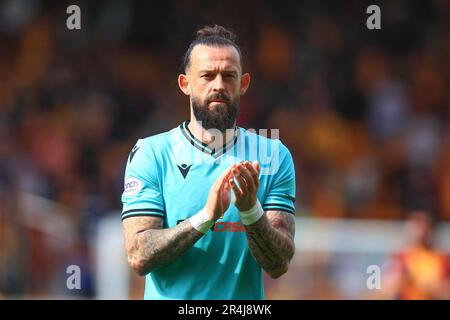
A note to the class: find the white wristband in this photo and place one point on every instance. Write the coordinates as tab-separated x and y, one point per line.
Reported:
201	222
252	215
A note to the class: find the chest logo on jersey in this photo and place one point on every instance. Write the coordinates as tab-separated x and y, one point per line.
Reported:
184	169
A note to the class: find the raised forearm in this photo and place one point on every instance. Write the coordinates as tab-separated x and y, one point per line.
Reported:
272	248
156	247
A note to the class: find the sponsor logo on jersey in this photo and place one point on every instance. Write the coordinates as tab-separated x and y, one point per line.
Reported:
222	226
132	186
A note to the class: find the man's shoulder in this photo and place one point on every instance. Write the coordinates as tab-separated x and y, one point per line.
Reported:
157	141
150	148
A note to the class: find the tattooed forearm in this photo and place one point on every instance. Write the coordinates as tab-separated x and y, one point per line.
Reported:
149	246
271	241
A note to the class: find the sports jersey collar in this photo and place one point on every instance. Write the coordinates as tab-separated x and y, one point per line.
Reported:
203	146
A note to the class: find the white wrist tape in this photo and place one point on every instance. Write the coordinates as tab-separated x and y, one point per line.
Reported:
201	222
252	215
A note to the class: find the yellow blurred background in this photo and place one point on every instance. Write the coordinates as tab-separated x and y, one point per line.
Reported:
365	114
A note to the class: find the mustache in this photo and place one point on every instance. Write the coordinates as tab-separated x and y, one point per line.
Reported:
218	96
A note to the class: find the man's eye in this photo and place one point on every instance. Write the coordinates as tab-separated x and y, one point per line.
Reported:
207	76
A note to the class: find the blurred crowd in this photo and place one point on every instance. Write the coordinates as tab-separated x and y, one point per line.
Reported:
365	113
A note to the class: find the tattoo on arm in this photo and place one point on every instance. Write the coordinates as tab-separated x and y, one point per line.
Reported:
149	246
271	241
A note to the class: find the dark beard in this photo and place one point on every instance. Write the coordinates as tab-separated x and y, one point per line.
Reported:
221	117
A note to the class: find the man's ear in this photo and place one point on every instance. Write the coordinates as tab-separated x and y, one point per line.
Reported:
183	83
245	83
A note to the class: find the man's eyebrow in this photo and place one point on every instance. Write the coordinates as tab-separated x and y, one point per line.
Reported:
214	71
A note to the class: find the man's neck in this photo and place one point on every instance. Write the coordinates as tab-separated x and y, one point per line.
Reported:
213	138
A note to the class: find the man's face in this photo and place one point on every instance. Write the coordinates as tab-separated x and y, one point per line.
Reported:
214	76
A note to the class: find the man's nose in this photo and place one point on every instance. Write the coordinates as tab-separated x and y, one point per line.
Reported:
218	84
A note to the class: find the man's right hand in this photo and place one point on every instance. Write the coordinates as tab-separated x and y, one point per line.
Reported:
219	196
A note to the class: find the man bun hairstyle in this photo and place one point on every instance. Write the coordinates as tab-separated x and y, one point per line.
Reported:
212	36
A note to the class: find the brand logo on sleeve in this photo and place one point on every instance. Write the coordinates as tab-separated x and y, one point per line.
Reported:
133	152
132	186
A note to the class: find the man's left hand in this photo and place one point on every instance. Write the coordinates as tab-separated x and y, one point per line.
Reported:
246	174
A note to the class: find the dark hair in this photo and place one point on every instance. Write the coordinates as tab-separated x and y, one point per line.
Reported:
214	36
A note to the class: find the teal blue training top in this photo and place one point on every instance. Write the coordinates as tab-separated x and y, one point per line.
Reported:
169	175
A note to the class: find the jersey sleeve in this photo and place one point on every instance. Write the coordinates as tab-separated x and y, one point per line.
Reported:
281	193
142	195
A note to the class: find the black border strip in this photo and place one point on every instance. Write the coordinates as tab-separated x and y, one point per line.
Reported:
183	131
192	137
145	210
283	195
143	215
272	206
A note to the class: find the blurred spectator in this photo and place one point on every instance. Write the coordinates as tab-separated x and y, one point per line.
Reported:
419	271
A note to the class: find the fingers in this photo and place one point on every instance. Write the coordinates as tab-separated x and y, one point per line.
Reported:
242	178
237	192
247	176
226	180
223	178
255	165
254	173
